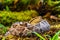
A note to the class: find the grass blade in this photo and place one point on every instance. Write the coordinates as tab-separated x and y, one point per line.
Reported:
39	36
55	37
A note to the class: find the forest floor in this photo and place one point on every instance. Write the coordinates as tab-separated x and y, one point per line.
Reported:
54	28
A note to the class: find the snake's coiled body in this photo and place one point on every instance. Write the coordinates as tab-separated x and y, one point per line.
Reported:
24	28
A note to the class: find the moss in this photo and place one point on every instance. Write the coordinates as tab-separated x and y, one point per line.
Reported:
7	17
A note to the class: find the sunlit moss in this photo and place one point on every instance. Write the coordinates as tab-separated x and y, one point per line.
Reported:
7	17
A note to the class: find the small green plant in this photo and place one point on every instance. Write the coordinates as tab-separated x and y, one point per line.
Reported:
7	8
3	29
7	2
55	37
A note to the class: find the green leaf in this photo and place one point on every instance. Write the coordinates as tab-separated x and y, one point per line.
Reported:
55	37
52	3
7	8
39	35
1	26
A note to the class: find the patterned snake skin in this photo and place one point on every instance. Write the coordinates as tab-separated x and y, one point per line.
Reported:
25	28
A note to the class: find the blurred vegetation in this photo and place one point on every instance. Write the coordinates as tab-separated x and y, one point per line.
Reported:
3	29
23	4
7	18
55	37
18	4
53	4
24	10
